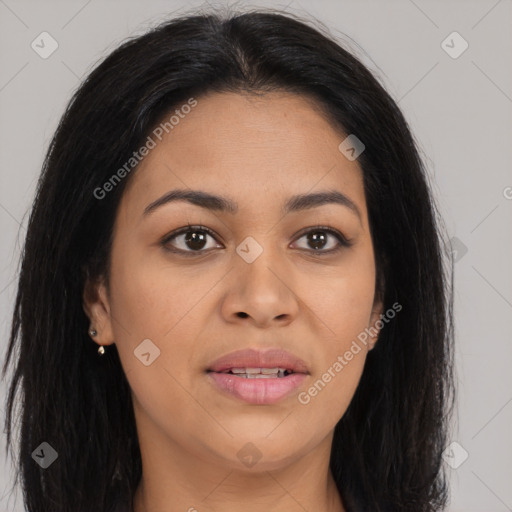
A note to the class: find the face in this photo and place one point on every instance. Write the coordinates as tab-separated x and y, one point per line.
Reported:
258	276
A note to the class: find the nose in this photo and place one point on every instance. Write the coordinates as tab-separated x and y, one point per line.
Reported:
261	293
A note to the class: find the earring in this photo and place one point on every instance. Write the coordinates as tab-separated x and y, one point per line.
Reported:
101	348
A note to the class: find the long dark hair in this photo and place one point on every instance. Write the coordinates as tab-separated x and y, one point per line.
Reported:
387	448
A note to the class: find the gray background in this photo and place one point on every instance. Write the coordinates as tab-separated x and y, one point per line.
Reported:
460	110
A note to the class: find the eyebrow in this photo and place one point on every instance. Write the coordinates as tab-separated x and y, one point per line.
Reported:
223	204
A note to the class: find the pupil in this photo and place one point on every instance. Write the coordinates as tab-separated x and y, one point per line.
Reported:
316	239
192	238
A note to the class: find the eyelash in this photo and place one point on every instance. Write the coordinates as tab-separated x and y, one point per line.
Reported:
344	242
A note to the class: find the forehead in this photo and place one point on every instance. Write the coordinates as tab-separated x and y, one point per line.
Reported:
255	147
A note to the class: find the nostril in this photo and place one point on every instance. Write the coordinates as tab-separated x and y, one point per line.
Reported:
241	314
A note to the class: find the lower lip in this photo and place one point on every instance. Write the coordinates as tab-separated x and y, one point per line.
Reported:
257	391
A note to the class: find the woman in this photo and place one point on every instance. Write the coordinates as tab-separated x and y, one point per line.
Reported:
232	290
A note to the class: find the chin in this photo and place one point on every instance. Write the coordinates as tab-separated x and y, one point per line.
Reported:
259	454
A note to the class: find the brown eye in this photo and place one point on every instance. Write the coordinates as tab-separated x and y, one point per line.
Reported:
317	239
324	240
195	240
192	239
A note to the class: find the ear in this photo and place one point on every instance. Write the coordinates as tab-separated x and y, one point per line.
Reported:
377	310
96	305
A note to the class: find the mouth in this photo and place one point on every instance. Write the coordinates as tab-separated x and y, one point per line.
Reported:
257	377
259	362
259	373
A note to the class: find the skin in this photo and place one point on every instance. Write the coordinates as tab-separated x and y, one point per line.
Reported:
258	151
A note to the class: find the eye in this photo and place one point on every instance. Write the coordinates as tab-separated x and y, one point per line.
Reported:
318	238
192	240
189	240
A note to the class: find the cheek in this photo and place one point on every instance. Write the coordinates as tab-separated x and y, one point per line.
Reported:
150	297
343	306
156	303
343	299
340	355
153	301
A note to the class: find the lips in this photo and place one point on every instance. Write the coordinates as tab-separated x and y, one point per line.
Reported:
257	377
274	358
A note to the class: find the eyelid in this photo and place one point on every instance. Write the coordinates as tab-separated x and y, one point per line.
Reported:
180	231
342	239
337	234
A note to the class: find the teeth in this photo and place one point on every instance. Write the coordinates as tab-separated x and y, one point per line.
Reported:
259	373
252	371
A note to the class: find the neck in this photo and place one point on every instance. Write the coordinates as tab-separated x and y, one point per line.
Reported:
176	480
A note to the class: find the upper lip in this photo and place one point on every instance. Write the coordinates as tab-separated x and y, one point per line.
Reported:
256	358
